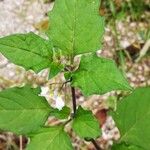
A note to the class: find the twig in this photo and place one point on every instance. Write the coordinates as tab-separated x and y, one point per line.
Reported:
73	100
65	84
67	121
20	143
144	50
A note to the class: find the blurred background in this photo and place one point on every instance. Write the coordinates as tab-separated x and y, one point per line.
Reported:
126	40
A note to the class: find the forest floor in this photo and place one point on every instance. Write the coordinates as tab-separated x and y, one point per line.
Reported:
125	41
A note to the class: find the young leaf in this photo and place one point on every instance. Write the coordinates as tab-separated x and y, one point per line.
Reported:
28	50
133	118
61	114
97	75
52	138
22	111
75	26
55	68
85	124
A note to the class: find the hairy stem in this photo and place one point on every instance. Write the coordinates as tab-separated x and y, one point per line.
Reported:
95	144
73	100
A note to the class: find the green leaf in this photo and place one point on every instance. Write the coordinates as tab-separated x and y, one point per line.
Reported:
28	50
52	138
67	75
55	68
61	114
97	75
133	118
85	124
125	147
75	26
22	111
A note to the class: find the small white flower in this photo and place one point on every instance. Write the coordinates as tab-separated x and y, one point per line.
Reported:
57	100
45	92
55	94
59	103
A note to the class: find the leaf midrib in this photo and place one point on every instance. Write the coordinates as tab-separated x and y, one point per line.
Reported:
46	57
128	132
53	140
74	26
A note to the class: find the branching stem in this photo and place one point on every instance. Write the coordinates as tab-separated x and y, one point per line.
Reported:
74	113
